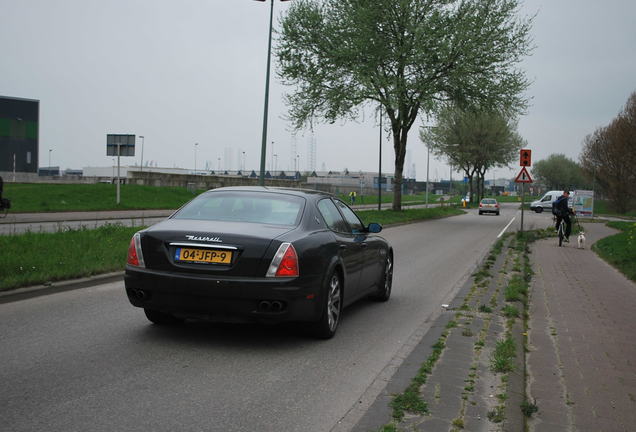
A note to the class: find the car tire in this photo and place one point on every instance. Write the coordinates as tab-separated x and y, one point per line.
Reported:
481	213
326	326
161	318
386	281
539	209
497	213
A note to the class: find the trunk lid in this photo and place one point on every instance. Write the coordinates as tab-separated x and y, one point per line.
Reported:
166	245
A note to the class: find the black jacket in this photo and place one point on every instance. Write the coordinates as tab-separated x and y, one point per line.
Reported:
561	206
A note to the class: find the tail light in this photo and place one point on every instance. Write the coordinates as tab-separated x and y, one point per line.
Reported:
284	263
135	257
480	205
497	205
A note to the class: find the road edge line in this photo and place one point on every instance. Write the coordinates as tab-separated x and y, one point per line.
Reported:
507	226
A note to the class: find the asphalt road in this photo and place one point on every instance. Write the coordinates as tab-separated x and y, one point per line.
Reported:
86	360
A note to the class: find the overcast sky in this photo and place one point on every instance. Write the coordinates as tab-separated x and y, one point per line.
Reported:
193	71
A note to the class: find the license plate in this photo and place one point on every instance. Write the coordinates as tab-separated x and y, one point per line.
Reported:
203	255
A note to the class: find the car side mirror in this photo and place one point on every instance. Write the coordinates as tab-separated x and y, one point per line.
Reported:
374	228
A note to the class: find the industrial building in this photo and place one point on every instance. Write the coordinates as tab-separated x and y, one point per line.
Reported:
19	134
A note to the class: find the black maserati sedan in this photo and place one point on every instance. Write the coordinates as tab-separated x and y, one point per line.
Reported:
258	254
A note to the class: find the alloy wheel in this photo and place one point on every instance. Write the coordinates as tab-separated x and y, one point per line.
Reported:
388	276
333	303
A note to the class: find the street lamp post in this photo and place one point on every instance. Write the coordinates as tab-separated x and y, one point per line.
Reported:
196	145
50	150
142	153
243	168
428	157
380	166
261	179
272	165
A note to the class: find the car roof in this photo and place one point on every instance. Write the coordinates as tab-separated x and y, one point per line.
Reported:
291	191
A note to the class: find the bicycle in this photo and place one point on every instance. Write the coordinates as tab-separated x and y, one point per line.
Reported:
561	228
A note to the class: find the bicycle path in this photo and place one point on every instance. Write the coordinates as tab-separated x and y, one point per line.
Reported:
582	359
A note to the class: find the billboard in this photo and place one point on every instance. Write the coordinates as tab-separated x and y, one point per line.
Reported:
583	202
125	144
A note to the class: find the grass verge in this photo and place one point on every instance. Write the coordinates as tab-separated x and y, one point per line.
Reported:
619	250
388	198
43	197
37	258
603	207
390	217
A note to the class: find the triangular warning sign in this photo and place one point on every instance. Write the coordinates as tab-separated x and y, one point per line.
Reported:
523	176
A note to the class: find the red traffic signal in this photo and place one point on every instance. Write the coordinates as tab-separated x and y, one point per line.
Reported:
525	159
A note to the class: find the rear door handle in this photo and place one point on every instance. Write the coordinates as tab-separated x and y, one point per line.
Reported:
343	246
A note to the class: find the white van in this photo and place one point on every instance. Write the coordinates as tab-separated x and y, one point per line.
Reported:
545	203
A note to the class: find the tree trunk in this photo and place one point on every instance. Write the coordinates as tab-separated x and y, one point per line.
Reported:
399	147
471	176
479	191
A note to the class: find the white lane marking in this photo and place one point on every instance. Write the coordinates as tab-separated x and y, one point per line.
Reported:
504	230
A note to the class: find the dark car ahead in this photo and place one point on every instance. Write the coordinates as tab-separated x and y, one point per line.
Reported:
258	254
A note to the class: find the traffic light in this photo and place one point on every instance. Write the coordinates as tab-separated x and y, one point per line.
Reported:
525	159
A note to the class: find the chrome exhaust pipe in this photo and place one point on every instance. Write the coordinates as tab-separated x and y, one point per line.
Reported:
140	294
277	306
264	306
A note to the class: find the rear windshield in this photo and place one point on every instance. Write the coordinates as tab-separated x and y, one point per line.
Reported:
251	207
489	201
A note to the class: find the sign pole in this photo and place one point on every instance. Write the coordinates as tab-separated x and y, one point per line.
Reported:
525	160
523	199
118	153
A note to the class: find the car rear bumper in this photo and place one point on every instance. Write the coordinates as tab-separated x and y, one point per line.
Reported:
224	299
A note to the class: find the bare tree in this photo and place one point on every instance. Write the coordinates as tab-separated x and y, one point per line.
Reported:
609	156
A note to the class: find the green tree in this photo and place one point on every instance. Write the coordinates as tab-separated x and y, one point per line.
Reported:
474	141
558	171
406	56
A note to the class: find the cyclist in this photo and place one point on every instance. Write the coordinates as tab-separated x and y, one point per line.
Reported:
562	212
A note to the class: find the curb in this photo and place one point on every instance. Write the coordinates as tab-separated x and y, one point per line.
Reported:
379	413
52	217
57	287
